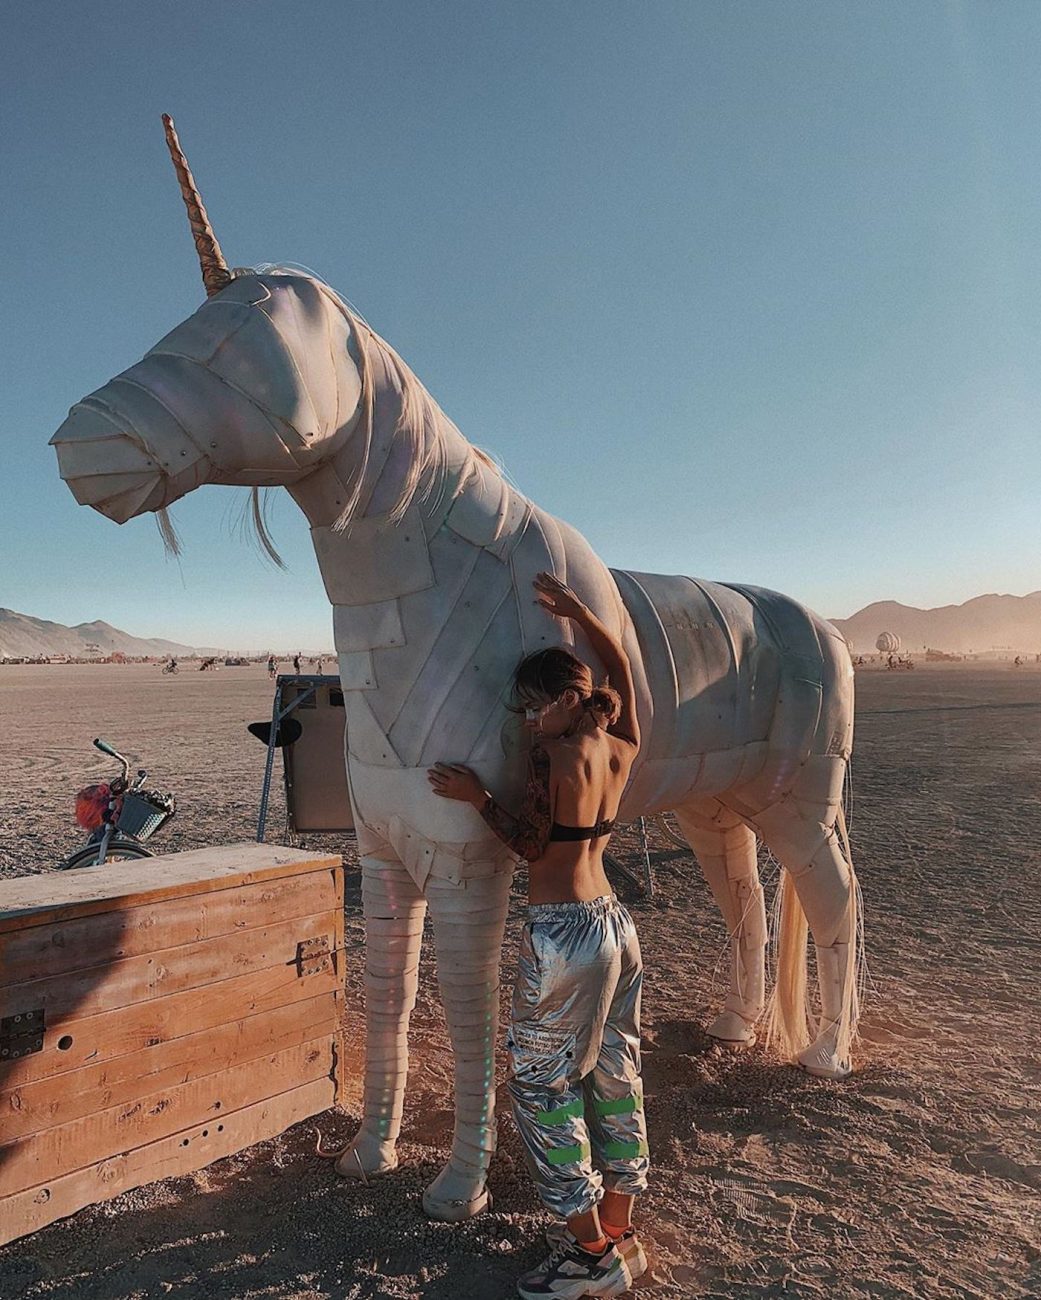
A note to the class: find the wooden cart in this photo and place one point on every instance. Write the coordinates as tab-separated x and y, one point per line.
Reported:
158	1015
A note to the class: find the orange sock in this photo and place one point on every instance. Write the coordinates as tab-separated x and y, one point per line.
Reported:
595	1247
612	1232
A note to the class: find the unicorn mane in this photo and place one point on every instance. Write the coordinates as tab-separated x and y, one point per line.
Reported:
421	422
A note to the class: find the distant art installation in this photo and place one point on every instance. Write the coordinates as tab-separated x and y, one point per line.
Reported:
428	555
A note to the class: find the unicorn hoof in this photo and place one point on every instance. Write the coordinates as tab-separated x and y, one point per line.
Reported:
453	1196
366	1158
823	1063
732	1032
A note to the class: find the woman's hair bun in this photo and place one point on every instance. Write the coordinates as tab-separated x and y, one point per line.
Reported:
605	701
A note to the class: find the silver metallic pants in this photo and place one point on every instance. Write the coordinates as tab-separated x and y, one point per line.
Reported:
575	1053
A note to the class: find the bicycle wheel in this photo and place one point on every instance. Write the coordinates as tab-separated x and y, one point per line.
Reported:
669	827
119	850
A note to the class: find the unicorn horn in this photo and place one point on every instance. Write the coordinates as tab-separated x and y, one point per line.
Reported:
215	273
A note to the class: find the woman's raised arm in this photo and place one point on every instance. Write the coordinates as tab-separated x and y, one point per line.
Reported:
556	597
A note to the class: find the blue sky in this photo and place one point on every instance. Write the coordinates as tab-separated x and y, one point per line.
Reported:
747	291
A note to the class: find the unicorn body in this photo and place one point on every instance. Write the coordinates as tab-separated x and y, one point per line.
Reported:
427	555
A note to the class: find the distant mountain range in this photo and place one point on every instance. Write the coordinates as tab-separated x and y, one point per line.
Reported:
24	637
985	623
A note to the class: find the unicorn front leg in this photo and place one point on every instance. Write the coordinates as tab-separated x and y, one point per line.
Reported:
394	909
469	919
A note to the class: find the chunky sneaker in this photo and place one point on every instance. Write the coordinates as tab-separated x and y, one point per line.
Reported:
629	1245
571	1272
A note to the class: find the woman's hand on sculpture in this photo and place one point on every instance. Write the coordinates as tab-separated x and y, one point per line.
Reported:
558	599
457	781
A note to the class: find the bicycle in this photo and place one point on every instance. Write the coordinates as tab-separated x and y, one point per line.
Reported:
668	826
120	815
170	668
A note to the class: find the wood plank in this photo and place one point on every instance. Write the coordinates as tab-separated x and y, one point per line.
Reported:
164	971
170	1157
72	944
72	1042
56	895
31	1160
339	1034
46	1103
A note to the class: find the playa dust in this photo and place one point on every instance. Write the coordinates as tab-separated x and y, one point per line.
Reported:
920	1177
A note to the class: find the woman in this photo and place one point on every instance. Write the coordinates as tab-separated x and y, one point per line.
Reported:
575	1030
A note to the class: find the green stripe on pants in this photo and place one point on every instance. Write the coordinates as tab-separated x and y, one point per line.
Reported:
624	1150
562	1113
568	1155
620	1106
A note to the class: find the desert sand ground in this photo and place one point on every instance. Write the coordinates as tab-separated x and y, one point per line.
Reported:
919	1177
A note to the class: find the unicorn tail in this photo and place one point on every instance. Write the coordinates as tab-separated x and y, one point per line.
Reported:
788	1015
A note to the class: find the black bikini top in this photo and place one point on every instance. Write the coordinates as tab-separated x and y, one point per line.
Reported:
559	832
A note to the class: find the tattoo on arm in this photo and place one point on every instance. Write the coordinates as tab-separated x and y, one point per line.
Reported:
528	834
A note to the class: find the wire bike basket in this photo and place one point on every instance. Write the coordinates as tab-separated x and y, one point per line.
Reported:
143	812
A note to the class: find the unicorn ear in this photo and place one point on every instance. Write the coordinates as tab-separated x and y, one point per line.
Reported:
215	273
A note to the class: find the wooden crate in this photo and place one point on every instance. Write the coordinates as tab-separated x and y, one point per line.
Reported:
158	1015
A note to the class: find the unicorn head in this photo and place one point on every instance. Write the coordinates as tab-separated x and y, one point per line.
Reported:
254	388
273	377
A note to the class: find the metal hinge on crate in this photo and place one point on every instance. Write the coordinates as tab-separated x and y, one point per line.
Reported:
314	956
21	1034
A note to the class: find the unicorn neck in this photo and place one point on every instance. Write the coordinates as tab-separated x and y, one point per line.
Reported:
402	476
401	451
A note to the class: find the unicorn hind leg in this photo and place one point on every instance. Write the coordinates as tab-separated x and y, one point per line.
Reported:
819	889
726	851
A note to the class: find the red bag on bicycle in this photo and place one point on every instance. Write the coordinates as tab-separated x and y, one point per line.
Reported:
92	804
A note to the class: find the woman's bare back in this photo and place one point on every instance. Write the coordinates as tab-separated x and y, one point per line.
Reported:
587	774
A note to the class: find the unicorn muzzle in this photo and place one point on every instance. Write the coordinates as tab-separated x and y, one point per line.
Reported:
111	463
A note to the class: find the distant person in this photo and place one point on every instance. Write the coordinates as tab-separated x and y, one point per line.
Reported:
296	663
318	662
272	667
1017	662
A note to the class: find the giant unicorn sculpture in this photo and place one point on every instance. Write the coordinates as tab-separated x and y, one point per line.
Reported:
427	555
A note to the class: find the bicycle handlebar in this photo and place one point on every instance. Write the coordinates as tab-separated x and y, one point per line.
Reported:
106	748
